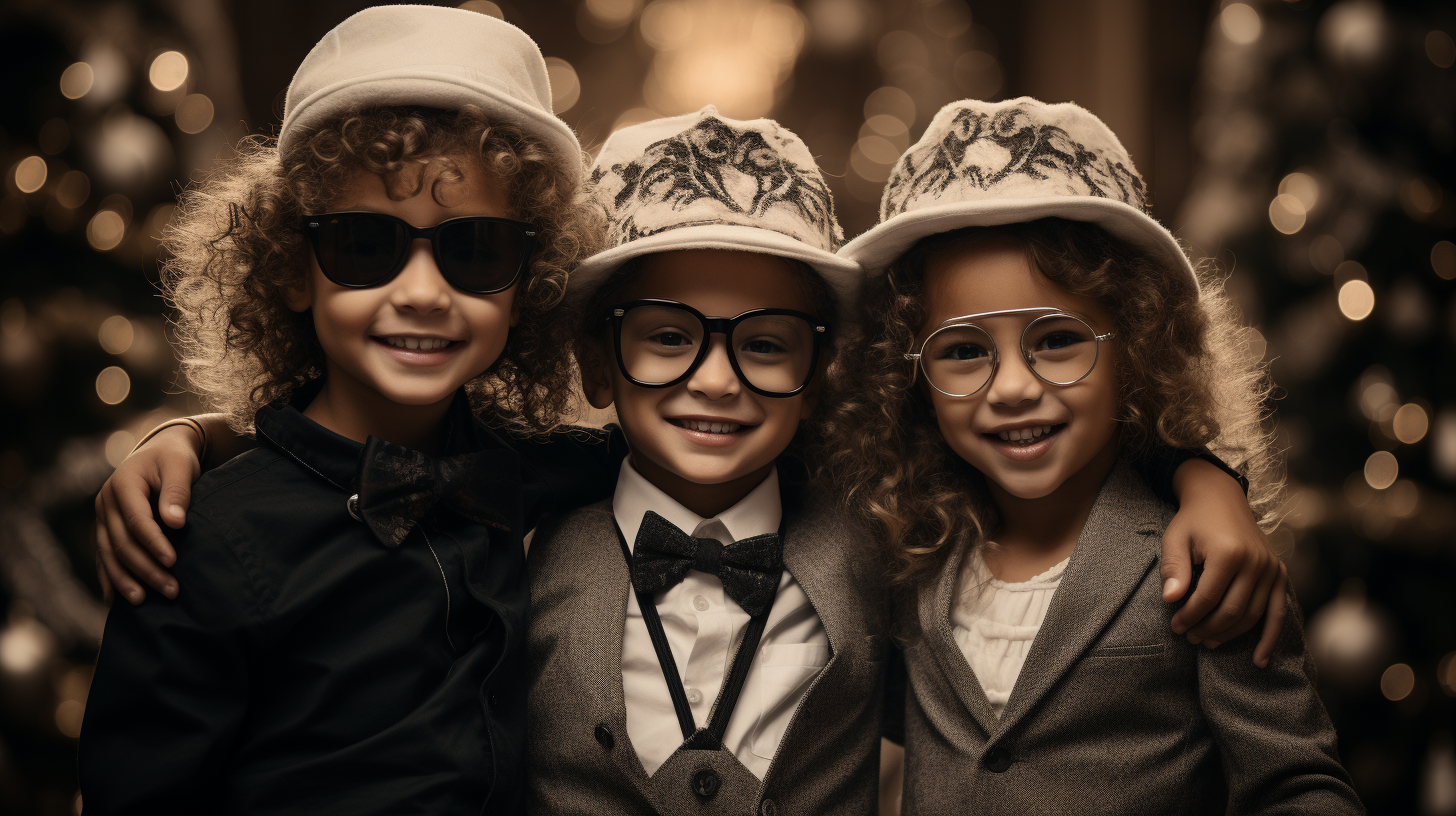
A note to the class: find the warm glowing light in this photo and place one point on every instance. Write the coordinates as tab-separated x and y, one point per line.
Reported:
839	25
1420	196
76	80
1357	300
565	85
73	189
903	55
866	167
168	71
890	101
1286	213
891	127
1398	682
24	645
1381	470
1326	253
1377	400
30	174
1353	31
1303	187
1443	444
666	25
113	385
1411	423
194	113
1443	259
485	7
633	116
1402	499
105	230
1446	674
68	718
613	13
1441	49
1350	270
118	447
115	334
1240	23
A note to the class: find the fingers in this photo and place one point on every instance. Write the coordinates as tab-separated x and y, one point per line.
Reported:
120	579
107	596
175	494
131	519
136	559
1273	619
1177	563
122	517
1261	579
1212	586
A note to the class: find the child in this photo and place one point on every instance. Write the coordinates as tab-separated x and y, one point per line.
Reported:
656	685
351	640
1035	331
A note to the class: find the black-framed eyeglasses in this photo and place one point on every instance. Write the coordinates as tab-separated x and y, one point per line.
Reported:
476	254
959	358
660	343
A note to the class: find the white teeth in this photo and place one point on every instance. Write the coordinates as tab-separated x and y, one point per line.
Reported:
416	343
1024	435
709	427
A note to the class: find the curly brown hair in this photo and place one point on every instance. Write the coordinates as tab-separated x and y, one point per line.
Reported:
1185	381
236	246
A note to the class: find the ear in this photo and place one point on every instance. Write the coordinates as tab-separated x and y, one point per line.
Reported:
596	374
300	298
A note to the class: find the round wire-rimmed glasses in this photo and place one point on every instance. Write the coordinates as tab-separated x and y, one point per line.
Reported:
959	358
660	343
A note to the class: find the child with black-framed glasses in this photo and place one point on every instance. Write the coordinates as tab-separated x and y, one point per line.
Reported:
349	633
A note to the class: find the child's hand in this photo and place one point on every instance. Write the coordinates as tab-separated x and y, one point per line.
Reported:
1242	577
165	468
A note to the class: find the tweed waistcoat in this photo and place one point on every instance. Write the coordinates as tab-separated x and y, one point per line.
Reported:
1113	712
579	756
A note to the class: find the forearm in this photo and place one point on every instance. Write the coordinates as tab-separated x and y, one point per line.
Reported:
222	443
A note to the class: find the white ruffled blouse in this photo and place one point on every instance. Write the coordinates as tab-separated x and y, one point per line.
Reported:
994	622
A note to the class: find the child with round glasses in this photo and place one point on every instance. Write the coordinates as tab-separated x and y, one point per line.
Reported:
1034	331
350	637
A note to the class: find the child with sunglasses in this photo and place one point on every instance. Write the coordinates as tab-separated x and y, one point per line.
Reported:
351	637
1034	331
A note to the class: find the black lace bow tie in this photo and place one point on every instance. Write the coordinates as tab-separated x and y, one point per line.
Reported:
749	570
398	487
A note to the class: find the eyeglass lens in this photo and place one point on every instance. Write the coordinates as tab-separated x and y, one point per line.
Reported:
366	249
659	344
1060	349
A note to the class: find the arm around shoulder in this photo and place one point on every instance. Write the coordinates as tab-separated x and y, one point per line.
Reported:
1277	742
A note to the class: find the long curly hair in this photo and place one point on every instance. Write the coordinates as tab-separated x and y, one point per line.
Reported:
1185	380
236	246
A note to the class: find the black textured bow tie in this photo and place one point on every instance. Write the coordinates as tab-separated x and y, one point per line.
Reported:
399	486
749	570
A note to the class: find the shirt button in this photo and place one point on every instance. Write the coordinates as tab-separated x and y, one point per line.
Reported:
695	696
700	603
705	783
997	760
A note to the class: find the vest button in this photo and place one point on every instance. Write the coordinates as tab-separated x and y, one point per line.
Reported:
768	808
604	736
706	783
997	760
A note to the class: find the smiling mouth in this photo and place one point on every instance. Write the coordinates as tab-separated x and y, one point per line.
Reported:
1023	437
417	343
707	427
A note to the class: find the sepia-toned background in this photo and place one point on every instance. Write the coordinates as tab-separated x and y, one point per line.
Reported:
1307	146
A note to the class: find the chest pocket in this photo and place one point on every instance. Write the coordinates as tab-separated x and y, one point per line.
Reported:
783	674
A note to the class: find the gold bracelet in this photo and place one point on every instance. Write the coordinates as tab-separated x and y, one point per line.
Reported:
189	422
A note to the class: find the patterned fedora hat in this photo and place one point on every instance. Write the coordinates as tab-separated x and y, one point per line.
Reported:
703	181
983	164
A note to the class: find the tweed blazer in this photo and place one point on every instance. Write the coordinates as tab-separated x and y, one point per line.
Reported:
1113	712
579	756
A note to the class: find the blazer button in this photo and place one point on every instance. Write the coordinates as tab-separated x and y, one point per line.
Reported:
997	760
768	808
604	736
706	783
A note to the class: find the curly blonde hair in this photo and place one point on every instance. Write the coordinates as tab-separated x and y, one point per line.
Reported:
1185	380
236	246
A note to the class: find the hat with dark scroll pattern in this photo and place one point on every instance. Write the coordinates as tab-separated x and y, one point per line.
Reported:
704	181
983	164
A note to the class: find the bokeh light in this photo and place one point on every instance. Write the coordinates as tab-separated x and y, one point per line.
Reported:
485	7
168	71
565	85
24	645
76	80
1443	259
732	55
30	174
1353	32
1410	423
890	101
1403	498
839	25
1420	196
1286	213
68	718
1303	187
1440	49
1240	23
1397	682
73	189
1357	300
1381	470
115	334
903	55
194	113
105	230
118	447
1446	674
613	13
113	385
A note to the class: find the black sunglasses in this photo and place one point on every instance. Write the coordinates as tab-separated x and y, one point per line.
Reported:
476	254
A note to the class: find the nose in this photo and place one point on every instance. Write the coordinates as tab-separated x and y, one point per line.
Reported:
715	378
420	287
1014	382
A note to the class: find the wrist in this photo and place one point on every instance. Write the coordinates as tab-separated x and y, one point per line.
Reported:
197	434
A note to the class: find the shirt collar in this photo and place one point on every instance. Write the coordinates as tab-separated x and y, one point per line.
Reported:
758	513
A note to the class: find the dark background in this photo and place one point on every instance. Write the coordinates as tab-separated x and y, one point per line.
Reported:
1306	146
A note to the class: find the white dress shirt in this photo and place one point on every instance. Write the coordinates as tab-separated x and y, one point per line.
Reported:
995	622
704	627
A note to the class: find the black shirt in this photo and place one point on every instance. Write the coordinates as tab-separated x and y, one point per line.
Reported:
304	666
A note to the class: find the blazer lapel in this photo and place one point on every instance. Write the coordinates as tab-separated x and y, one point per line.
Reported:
1117	546
935	599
